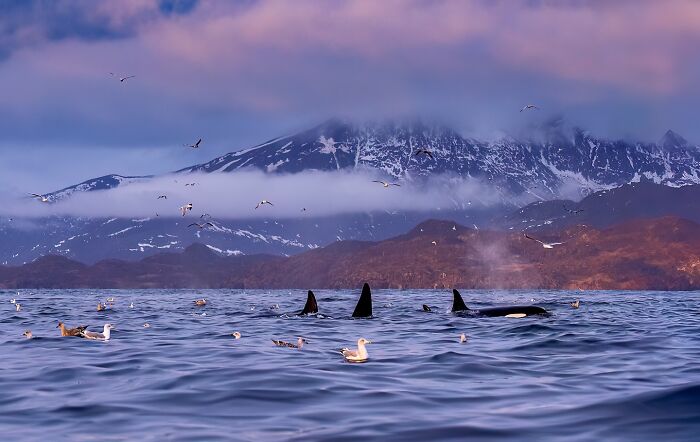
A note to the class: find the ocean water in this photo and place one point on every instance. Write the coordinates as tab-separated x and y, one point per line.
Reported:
624	366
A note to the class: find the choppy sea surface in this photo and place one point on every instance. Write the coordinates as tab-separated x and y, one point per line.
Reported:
624	366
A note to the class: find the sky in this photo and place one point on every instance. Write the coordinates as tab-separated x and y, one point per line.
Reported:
237	73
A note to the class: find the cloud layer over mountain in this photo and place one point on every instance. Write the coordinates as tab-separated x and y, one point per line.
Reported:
235	195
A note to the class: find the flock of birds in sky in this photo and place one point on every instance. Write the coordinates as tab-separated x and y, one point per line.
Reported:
187	208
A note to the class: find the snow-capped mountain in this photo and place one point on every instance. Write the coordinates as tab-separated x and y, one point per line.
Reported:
102	183
538	169
516	166
572	158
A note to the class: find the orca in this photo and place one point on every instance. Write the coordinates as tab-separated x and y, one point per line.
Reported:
514	311
310	307
363	309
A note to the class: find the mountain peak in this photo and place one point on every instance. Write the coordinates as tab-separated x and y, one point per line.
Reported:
671	139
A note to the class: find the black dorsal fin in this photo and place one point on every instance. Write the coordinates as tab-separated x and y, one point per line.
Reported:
426	308
458	304
363	309
310	306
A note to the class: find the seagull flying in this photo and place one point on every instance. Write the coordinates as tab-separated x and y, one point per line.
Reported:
184	209
423	152
263	202
546	245
195	145
202	226
163	197
528	107
574	211
41	198
359	355
385	184
122	79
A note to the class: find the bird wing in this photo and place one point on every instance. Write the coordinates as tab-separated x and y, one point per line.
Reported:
395	184
376	181
211	224
555	243
193	224
36	195
529	237
430	154
349	353
270	203
257	205
92	335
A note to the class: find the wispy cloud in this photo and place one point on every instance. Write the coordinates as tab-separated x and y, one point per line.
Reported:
235	195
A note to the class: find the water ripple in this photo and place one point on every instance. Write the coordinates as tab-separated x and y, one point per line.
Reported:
622	367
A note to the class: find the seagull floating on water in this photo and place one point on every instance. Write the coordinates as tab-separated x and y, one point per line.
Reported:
71	331
575	304
147	325
186	208
96	336
195	145
546	245
359	355
28	334
13	301
462	338
200	302
42	198
386	184
300	343
263	202
529	107
236	335
18	306
101	307
131	305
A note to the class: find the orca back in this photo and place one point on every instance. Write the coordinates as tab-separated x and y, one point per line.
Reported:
311	306
527	310
363	309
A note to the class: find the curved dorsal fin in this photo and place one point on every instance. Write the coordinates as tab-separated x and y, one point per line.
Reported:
458	304
310	306
363	309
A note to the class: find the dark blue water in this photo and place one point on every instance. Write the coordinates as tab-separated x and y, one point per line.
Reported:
625	366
